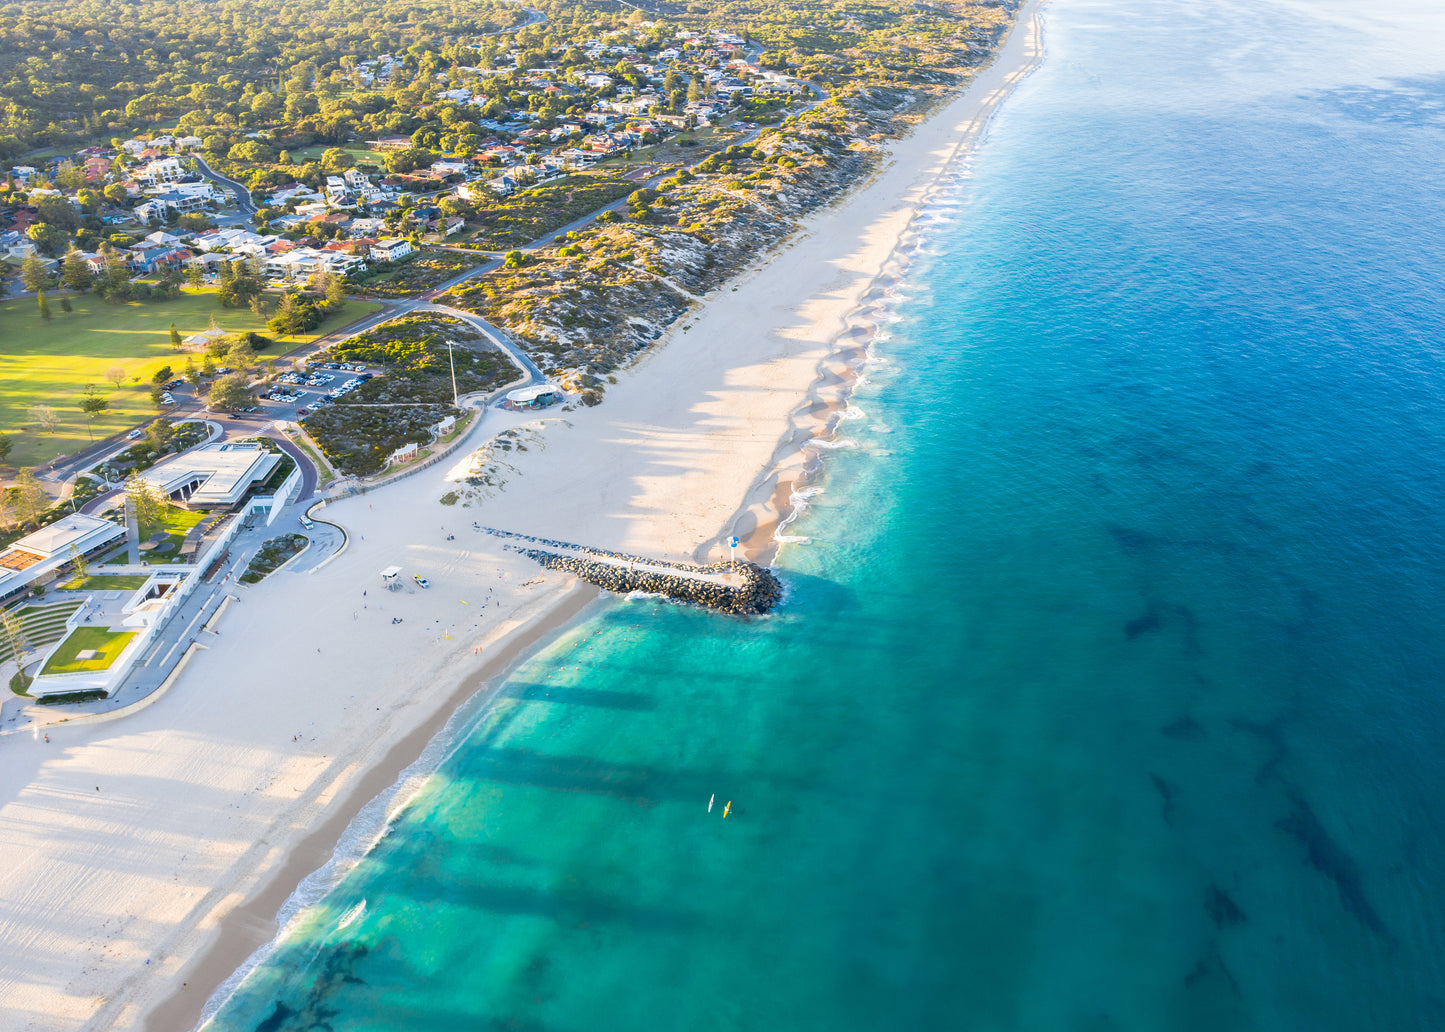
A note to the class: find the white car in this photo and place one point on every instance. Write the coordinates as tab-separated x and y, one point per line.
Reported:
134	434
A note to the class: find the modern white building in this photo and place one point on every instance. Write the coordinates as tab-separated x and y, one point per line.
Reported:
391	250
302	262
216	476
37	558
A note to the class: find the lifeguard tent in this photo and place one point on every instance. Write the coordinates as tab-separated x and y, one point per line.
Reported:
391	578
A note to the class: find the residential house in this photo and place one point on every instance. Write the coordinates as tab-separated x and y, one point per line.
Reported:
449	225
160	238
302	262
188	143
162	170
391	250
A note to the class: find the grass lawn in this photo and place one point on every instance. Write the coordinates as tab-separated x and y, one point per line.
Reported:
371	157
107	645
50	363
107	582
177	524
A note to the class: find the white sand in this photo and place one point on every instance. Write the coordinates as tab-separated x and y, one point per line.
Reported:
153	851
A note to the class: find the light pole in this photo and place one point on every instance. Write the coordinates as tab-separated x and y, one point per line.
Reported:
456	402
733	552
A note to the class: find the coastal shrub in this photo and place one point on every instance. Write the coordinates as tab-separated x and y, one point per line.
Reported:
271	555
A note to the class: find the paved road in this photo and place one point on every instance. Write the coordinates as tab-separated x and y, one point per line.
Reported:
498	337
238	191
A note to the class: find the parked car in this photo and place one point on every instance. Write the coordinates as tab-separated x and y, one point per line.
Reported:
420	580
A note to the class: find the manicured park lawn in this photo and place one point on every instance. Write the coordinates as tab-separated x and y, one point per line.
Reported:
108	582
50	362
357	154
177	525
107	645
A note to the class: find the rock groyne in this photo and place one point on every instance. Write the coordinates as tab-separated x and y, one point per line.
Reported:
759	591
742	588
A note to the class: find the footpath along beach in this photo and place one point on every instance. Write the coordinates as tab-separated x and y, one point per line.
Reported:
148	857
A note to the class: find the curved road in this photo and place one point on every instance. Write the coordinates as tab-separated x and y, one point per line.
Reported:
242	195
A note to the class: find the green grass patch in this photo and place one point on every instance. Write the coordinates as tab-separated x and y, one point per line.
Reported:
313	153
107	582
51	362
107	646
175	526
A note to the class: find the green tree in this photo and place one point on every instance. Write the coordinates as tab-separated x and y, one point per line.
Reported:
192	374
335	291
65	305
195	277
32	274
175	341
117	280
74	273
150	507
241	356
77	563
31	501
15	638
161	375
229	393
92	403
44	307
6	444
159	433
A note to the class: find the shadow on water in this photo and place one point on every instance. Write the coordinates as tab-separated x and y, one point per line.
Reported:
1415	101
637	783
564	905
603	697
335	969
1325	855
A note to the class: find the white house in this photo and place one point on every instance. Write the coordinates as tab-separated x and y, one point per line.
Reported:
301	262
162	170
188	143
391	250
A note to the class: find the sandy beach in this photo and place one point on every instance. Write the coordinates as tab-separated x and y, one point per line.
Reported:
147	858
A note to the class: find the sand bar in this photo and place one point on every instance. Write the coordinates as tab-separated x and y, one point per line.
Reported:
154	851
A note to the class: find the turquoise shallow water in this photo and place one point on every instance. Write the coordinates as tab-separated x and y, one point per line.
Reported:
1107	694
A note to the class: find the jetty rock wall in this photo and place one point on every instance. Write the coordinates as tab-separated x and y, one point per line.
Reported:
759	593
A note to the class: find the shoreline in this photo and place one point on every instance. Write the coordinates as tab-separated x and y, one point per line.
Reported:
266	814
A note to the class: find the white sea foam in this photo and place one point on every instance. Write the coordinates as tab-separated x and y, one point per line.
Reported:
843	445
351	916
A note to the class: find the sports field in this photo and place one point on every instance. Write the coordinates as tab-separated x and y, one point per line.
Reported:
50	362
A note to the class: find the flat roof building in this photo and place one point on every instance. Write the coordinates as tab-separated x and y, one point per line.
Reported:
36	558
215	476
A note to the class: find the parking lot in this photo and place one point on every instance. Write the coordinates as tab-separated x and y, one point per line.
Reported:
325	383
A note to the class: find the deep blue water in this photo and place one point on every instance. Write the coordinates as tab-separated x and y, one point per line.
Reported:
1108	692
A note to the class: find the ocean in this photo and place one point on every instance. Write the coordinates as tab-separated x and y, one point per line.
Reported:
1107	691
